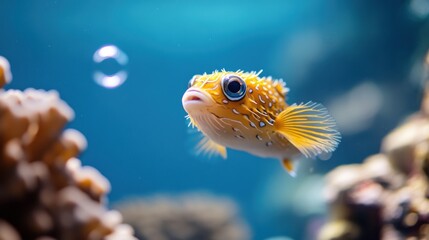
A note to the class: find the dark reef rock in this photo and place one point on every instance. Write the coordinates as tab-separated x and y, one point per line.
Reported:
387	196
45	193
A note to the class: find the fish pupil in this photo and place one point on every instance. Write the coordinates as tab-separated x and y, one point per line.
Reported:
234	86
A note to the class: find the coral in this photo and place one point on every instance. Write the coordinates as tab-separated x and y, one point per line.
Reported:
387	196
190	217
45	193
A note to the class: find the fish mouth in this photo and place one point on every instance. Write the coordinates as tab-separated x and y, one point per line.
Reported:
195	98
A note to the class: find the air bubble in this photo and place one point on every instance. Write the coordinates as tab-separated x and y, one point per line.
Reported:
108	58
325	156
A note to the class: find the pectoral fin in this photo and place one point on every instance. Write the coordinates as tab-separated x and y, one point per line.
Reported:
309	128
288	166
210	148
191	122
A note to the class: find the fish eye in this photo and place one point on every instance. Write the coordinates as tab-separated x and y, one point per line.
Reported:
233	87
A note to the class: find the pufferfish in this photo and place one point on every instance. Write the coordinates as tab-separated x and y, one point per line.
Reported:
243	111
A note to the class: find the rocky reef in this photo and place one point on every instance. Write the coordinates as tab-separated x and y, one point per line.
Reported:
387	196
45	193
188	217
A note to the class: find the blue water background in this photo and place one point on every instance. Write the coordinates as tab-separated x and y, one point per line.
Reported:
137	133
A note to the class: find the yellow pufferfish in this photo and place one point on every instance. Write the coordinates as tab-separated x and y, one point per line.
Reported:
243	111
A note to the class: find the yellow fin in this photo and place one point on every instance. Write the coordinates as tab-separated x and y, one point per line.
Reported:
191	122
209	147
288	166
309	128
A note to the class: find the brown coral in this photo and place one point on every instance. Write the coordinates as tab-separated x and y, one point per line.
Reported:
44	191
190	217
386	197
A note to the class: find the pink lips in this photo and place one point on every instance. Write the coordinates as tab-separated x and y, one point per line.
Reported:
194	98
191	97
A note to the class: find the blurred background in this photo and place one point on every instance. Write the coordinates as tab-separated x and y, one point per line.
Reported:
362	59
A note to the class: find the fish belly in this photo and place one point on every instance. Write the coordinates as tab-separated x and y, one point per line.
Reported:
262	145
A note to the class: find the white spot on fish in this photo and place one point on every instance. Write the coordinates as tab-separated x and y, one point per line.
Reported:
250	90
252	125
235	111
225	101
261	124
260	99
258	137
269	143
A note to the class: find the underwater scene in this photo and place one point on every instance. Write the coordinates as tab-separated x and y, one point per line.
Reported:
214	120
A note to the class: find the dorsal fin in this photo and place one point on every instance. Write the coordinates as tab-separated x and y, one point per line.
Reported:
280	87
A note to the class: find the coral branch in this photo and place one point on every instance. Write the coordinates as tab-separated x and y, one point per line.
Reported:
44	191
